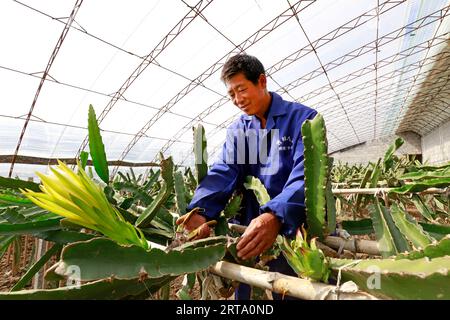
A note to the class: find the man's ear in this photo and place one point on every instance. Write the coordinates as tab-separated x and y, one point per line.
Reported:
262	80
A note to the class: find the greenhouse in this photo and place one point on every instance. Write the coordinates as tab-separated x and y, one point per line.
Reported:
225	150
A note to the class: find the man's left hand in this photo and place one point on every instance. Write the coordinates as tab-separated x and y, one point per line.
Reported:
259	236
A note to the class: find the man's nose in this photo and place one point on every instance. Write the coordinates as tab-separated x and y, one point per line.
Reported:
238	98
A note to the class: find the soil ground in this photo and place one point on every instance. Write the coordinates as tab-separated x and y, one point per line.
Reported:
8	276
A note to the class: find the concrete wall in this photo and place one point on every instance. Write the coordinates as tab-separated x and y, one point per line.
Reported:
436	145
372	150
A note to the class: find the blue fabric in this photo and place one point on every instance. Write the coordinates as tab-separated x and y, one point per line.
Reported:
283	178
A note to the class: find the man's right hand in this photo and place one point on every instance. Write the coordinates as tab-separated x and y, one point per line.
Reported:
192	221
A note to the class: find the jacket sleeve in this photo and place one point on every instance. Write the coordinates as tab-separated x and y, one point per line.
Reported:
216	188
289	205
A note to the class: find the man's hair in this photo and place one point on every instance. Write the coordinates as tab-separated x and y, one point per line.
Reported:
250	66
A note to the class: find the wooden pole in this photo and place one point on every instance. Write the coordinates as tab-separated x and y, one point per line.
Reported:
283	284
38	279
374	191
353	245
54	161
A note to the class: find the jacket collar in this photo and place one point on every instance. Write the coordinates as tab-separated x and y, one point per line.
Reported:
276	108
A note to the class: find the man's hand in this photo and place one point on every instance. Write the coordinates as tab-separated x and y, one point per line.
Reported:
192	221
259	236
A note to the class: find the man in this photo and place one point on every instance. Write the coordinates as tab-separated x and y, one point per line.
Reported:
268	120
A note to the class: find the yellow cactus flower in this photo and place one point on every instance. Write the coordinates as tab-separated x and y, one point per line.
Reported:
76	197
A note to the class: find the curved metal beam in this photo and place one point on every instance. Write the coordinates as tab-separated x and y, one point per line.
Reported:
254	38
283	63
44	76
163	44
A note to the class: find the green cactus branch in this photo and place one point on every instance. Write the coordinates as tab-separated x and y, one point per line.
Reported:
398	279
316	172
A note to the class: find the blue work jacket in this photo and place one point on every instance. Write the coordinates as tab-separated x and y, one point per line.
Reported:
279	166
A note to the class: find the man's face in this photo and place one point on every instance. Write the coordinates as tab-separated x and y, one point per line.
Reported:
246	95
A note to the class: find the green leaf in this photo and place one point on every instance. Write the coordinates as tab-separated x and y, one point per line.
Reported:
316	172
331	201
126	204
412	231
133	176
105	289
14	200
84	159
153	178
96	147
384	237
431	251
132	261
189	282
12	215
37	214
180	192
400	241
253	183
357	227
110	193
233	206
305	258
29	227
165	216
233	257
15	215
364	181
158	232
183	294
221	228
161	224
64	236
18	184
26	278
422	185
440	204
426	175
423	209
138	193
421	279
437	167
376	173
149	213
388	156
364	226
163	194
201	243
192	183
437	231
165	291
5	242
201	160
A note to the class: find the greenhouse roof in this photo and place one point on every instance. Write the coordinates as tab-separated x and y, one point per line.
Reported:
151	71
